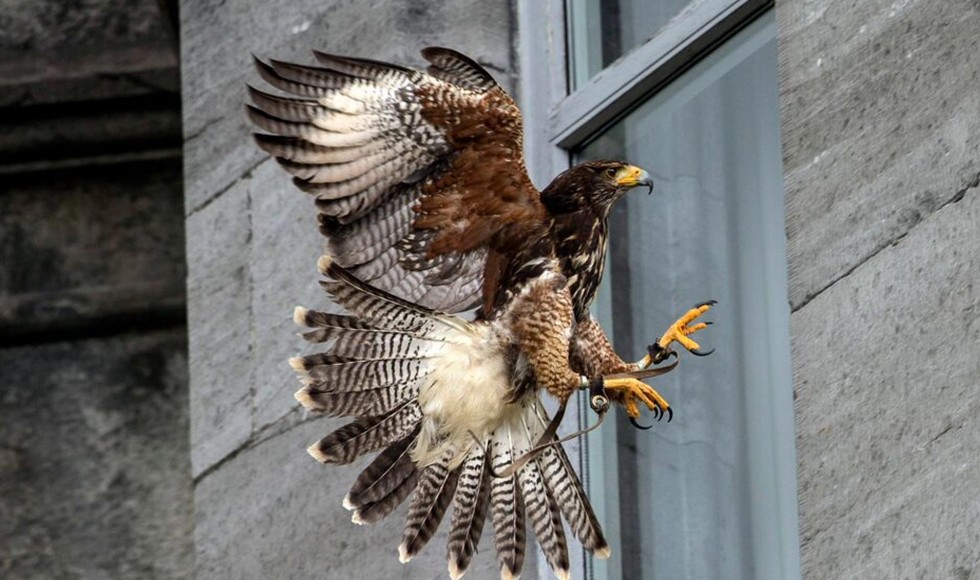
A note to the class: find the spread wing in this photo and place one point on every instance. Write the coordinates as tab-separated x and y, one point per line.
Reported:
417	176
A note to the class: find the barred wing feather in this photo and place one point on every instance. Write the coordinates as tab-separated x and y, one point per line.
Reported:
415	174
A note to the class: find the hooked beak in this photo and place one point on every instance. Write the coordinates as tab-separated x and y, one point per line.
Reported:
632	176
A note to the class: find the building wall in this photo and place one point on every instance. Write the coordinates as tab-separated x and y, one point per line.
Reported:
263	507
880	114
881	136
94	454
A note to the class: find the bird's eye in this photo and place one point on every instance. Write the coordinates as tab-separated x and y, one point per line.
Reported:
611	172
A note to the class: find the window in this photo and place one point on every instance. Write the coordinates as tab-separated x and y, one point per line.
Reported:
712	494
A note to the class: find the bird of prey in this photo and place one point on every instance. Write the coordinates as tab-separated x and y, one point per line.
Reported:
428	210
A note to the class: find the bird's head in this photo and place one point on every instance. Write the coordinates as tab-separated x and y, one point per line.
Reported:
593	184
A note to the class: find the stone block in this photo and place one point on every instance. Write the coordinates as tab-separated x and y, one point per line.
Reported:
52	25
272	511
881	119
68	77
219	297
37	137
886	374
88	243
215	73
94	471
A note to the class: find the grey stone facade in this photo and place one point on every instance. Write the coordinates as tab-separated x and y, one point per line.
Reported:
881	132
94	479
111	467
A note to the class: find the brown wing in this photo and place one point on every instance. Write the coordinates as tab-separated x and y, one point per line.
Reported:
416	175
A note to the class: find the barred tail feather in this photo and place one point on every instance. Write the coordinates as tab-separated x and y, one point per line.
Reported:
545	518
378	357
317	319
378	510
378	345
542	508
469	512
366	434
564	485
379	308
432	497
388	470
353	403
507	508
396	376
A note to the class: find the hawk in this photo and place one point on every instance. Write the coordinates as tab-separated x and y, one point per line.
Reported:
428	211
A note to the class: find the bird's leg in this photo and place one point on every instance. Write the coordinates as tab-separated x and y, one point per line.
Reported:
678	332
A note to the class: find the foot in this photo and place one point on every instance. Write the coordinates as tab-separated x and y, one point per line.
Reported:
679	332
630	392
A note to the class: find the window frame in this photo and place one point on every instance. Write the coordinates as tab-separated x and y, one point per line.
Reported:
559	120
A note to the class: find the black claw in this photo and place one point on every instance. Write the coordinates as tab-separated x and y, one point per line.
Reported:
638	426
698	352
708	322
706	303
670	414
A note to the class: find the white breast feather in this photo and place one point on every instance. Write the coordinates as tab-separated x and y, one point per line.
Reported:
466	392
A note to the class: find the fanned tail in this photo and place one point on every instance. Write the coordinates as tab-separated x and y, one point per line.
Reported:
419	385
542	491
376	361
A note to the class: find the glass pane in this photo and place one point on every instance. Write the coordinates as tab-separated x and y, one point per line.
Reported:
711	494
604	30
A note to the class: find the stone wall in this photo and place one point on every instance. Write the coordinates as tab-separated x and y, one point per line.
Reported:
94	458
881	132
263	507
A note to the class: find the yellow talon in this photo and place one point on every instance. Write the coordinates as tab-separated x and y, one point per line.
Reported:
679	331
628	390
684	340
697	327
631	407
